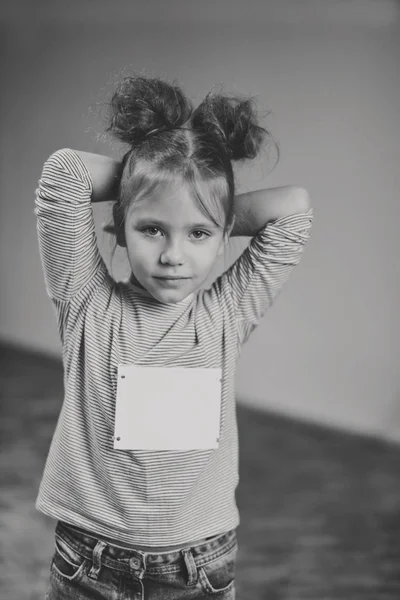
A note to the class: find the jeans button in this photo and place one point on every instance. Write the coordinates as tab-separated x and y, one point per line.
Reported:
135	563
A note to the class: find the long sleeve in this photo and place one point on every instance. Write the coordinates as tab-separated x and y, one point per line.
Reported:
258	275
65	225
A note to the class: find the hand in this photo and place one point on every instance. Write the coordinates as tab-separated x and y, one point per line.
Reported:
105	173
109	228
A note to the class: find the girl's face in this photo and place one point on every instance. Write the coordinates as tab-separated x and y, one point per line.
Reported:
172	245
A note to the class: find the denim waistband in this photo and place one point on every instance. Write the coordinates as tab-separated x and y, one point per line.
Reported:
128	559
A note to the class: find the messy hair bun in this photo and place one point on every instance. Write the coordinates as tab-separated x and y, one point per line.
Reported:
233	122
143	105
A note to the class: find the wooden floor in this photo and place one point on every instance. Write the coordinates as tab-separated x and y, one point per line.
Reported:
320	510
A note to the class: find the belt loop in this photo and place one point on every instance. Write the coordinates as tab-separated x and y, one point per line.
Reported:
97	552
190	566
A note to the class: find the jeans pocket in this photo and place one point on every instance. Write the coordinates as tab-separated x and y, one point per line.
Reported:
67	563
218	576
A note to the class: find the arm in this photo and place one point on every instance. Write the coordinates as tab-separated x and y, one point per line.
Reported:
66	229
279	221
254	210
105	173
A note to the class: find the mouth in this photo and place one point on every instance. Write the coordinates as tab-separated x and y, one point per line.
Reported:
172	280
171	277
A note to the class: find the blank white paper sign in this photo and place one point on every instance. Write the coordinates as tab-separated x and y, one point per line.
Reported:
167	408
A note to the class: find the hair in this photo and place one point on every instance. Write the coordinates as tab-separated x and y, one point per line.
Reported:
170	142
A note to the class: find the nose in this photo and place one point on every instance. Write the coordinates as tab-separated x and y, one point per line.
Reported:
172	254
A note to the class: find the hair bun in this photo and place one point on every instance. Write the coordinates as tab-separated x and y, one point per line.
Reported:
141	105
233	121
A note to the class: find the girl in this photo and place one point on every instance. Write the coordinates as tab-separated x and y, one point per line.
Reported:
143	466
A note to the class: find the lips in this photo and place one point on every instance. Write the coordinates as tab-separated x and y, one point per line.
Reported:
171	282
172	278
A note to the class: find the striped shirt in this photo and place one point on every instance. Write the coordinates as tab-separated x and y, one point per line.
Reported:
143	497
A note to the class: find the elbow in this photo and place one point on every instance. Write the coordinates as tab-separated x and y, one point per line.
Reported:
302	199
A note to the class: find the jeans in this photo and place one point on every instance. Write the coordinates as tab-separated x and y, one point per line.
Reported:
84	567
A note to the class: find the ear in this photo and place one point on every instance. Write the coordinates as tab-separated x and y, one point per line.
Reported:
225	239
230	228
119	231
228	231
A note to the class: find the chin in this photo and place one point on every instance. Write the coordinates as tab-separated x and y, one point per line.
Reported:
169	297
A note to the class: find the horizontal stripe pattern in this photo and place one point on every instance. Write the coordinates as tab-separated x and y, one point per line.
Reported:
143	497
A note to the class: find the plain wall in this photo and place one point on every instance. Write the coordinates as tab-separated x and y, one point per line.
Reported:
329	348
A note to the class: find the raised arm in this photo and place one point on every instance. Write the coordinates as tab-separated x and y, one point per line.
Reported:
69	183
279	221
254	210
105	173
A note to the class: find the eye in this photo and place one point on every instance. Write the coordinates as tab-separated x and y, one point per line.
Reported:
202	233
151	231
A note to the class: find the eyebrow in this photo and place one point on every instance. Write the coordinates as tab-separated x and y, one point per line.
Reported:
158	223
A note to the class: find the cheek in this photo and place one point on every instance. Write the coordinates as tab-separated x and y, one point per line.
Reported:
207	258
139	254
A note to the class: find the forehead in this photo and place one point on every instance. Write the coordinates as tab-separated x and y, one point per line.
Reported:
172	203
